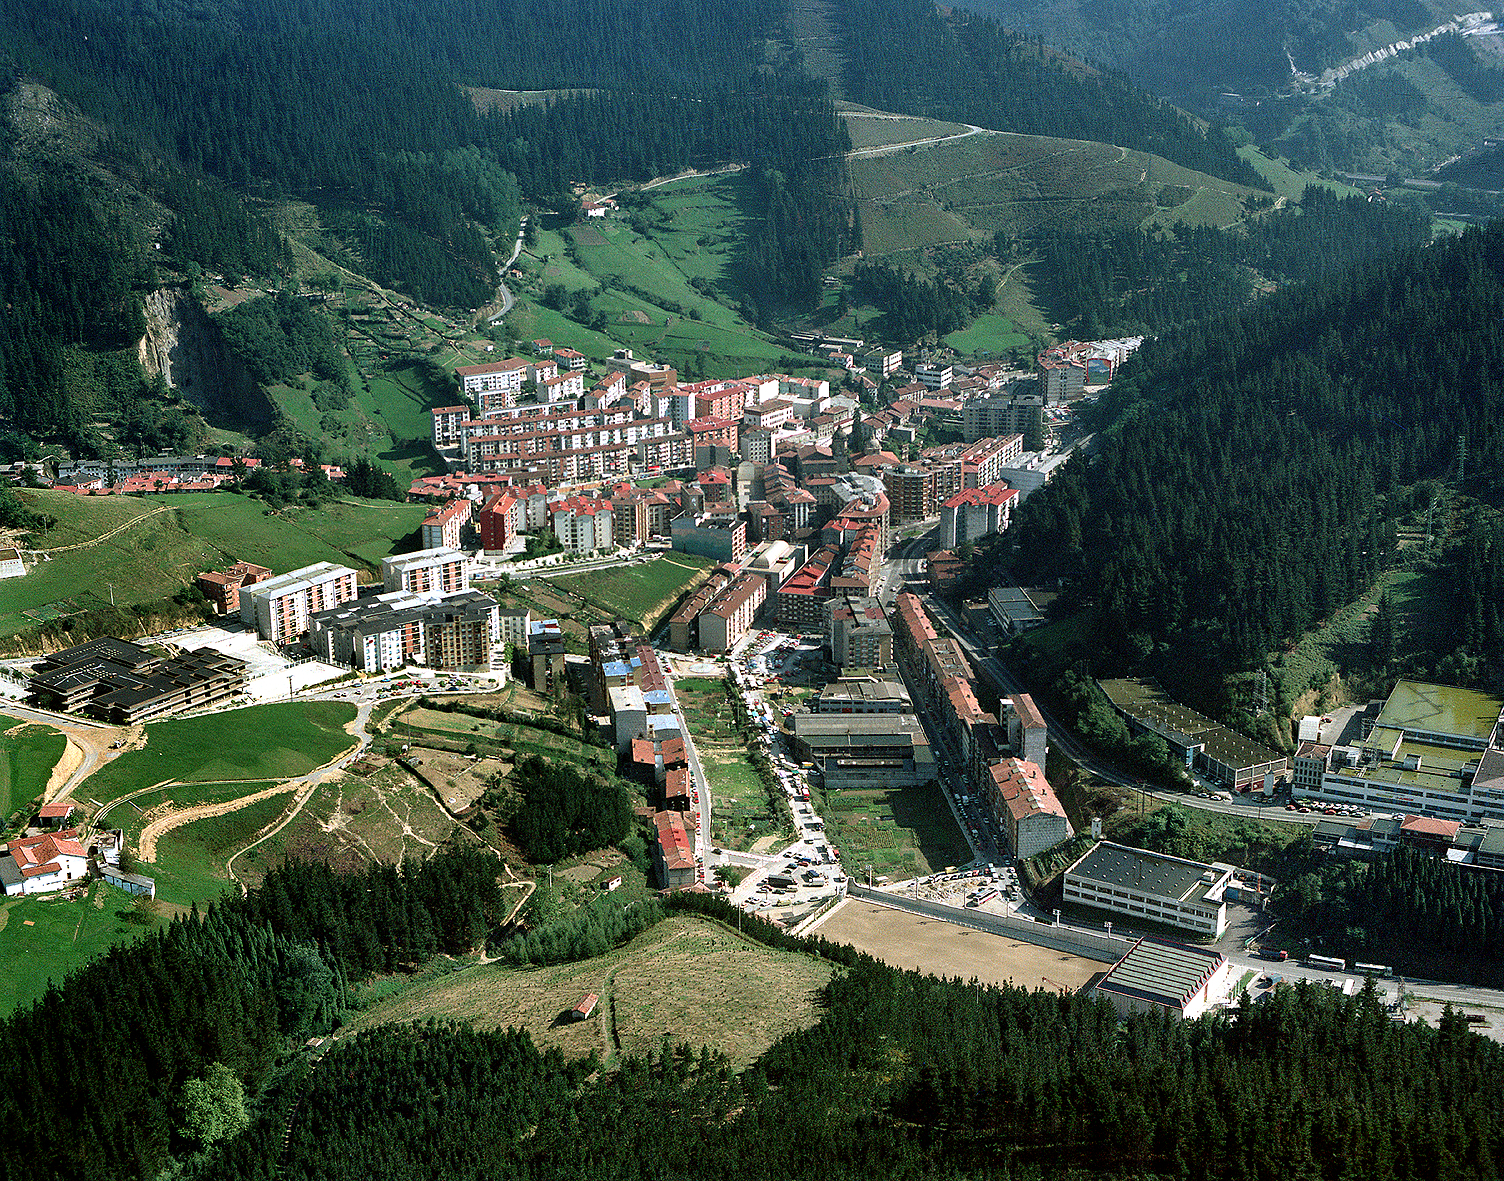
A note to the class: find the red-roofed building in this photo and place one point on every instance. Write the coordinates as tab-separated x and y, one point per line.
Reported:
1428	832
501	518
673	851
1026	807
443	525
492	386
222	587
448	423
56	815
974	513
39	865
708	432
802	596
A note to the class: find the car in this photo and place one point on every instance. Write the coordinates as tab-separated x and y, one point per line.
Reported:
1302	808
1291	808
1330	811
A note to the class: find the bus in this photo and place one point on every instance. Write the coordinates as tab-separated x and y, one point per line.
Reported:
983	899
1326	961
1373	969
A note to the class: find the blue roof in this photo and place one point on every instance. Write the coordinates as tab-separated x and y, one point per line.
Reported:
658	697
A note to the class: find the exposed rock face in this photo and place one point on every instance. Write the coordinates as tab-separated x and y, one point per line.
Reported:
183	344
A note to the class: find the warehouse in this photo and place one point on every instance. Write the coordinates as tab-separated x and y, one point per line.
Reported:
1152	886
1170	977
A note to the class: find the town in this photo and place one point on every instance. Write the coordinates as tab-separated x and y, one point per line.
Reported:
825	540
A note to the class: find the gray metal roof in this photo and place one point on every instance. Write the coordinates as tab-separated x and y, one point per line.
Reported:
1162	972
1125	868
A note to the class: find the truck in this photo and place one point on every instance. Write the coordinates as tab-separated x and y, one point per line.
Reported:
1275	953
780	881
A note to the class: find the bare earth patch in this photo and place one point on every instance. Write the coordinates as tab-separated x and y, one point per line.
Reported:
943	949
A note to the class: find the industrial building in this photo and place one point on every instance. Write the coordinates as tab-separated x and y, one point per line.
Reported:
1433	749
1151	886
1209	747
1164	976
863	695
856	750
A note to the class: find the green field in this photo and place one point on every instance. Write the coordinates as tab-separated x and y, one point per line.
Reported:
260	742
190	863
900	832
178	536
987	335
62	936
28	753
741	812
692	980
638	593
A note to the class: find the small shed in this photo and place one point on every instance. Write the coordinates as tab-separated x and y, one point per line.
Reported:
586	1007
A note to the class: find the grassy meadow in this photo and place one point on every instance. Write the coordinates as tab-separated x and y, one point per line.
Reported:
687	979
28	753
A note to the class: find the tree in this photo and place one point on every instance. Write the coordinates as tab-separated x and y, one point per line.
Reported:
213	1106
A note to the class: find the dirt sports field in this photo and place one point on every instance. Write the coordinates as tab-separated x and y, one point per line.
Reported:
944	949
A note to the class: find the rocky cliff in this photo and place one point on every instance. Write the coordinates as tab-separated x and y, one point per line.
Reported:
183	344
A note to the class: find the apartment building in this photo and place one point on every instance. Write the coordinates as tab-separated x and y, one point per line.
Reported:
974	513
444	525
911	493
1026	807
802	596
441	569
500	519
456	631
726	618
222	587
494	385
280	608
857	632
583	524
1004	414
448	424
719	536
934	376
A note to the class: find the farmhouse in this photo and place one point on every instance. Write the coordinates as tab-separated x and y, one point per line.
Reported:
39	865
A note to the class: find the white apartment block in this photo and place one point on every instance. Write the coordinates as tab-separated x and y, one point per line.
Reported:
280	607
494	385
440	569
582	524
443	525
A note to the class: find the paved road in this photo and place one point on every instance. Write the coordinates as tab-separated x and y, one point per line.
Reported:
507	298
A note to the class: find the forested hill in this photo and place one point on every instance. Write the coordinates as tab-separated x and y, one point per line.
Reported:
182	1056
905	55
1242	496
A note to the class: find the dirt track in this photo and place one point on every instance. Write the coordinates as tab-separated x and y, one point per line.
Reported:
945	949
146	845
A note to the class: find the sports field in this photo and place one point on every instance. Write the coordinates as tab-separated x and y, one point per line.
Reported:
687	979
943	949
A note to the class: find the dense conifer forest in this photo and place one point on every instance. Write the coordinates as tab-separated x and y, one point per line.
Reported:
1245	492
1135	282
183	1052
908	55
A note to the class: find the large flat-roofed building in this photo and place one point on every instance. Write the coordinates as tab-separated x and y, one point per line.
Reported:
1164	976
280	608
864	695
442	569
1151	886
1433	750
121	682
853	750
1209	747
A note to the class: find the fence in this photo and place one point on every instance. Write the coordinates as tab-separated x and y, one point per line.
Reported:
1059	936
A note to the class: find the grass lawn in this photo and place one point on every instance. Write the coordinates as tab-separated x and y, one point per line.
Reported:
688	978
190	864
987	335
260	742
43	938
899	832
28	753
175	537
638	593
